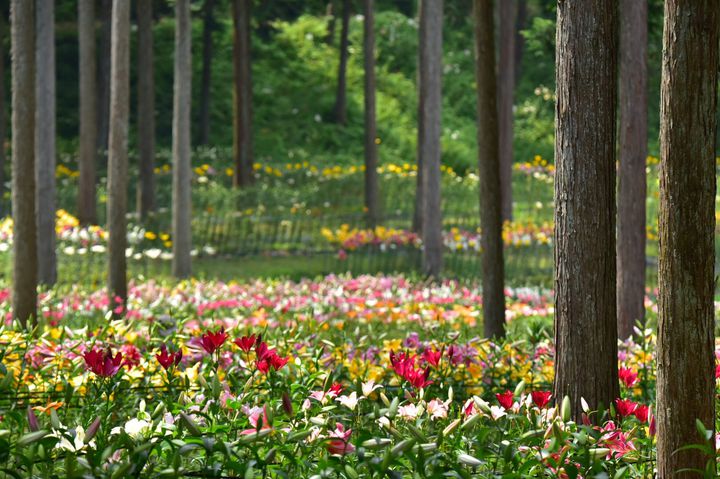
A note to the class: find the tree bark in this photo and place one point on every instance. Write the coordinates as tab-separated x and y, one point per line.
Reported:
24	293
329	12
242	138
146	110
632	189
419	196
207	56
520	24
493	269
340	109
45	196
87	152
371	150
506	88
585	317
685	346
3	113
181	264
117	153
431	18
103	105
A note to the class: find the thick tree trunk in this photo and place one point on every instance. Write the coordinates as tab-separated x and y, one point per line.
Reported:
45	141
585	318
685	355
506	89
371	152
340	109
631	174
103	105
181	263
431	19
207	56
242	137
24	293
520	21
146	110
87	152
493	268
3	113
117	152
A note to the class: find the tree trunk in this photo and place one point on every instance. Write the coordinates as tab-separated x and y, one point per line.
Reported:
632	189
87	151
204	113
103	105
242	138
329	12
24	293
340	109
371	152
118	154
3	113
685	346
419	196
431	18
520	21
585	318
146	110
45	141
493	269
181	142
506	88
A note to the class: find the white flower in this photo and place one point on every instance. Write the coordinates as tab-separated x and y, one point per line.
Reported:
497	412
78	442
384	422
408	412
135	428
350	401
368	387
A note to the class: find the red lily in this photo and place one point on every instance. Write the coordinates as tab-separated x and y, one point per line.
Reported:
267	358
103	364
625	407
404	366
641	412
168	359
211	342
541	398
246	342
505	399
627	376
432	357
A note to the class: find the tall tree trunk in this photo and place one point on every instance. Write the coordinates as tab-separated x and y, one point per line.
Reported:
117	153
103	105
146	110
371	151
181	263
207	56
24	293
340	109
632	189
45	141
493	268
431	19
520	24
685	346
506	89
419	196
87	152
242	137
585	318
3	113
332	19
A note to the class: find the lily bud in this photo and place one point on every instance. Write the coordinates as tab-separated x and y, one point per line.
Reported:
32	420
92	430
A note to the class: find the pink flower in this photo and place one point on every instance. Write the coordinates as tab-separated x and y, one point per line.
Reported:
338	443
254	416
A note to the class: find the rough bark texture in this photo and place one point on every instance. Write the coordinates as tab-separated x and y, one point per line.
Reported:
585	318
685	356
207	55
632	189
146	109
181	206
3	113
117	151
521	20
493	269
24	294
103	99
45	141
371	150
340	109
242	138
506	89
87	151
431	18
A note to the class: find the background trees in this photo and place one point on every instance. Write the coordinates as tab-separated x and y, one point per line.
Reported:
145	109
87	148
371	153
242	137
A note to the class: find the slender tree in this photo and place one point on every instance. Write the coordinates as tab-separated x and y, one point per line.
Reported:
103	91
87	151
207	57
371	153
117	151
24	293
45	141
181	142
3	120
685	346
146	109
242	134
340	109
585	320
431	18
631	173
419	196
506	89
332	19
493	269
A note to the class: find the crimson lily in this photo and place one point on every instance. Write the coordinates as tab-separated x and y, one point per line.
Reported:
168	359
103	364
211	342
